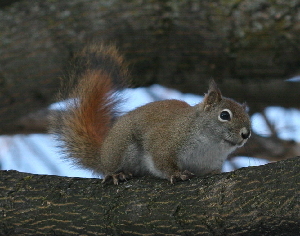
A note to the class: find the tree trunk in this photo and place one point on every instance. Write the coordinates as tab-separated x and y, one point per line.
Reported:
260	200
180	44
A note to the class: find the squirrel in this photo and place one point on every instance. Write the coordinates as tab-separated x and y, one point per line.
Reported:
168	139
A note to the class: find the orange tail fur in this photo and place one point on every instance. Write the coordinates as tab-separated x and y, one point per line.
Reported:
90	110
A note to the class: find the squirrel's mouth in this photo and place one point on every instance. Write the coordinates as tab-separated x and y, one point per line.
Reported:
230	142
239	144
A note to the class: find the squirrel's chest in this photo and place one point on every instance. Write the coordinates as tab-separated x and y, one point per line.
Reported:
202	155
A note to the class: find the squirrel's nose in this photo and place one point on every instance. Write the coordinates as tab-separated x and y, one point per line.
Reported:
245	133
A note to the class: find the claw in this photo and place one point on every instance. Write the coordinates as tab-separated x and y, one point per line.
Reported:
116	178
185	175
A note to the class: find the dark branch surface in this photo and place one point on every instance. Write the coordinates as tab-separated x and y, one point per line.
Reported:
250	201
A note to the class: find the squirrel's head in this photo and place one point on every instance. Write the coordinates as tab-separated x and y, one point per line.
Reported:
228	119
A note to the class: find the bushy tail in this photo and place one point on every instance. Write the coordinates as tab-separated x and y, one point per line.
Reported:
99	71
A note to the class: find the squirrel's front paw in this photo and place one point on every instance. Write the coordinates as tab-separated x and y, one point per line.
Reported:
185	175
116	178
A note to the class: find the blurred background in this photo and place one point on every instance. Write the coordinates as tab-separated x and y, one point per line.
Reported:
250	48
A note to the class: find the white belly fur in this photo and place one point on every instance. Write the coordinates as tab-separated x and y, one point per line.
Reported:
203	156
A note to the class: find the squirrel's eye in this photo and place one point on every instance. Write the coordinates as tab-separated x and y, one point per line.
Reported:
225	115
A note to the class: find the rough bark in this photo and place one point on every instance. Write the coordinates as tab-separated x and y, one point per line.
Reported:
261	200
5	3
179	44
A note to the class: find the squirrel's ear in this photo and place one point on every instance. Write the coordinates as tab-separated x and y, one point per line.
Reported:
213	96
245	106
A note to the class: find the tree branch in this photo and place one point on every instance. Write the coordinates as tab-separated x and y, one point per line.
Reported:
181	44
260	200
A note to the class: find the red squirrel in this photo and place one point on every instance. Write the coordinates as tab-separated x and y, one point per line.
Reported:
168	139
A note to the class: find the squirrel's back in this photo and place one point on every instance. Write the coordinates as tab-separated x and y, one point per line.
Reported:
99	71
